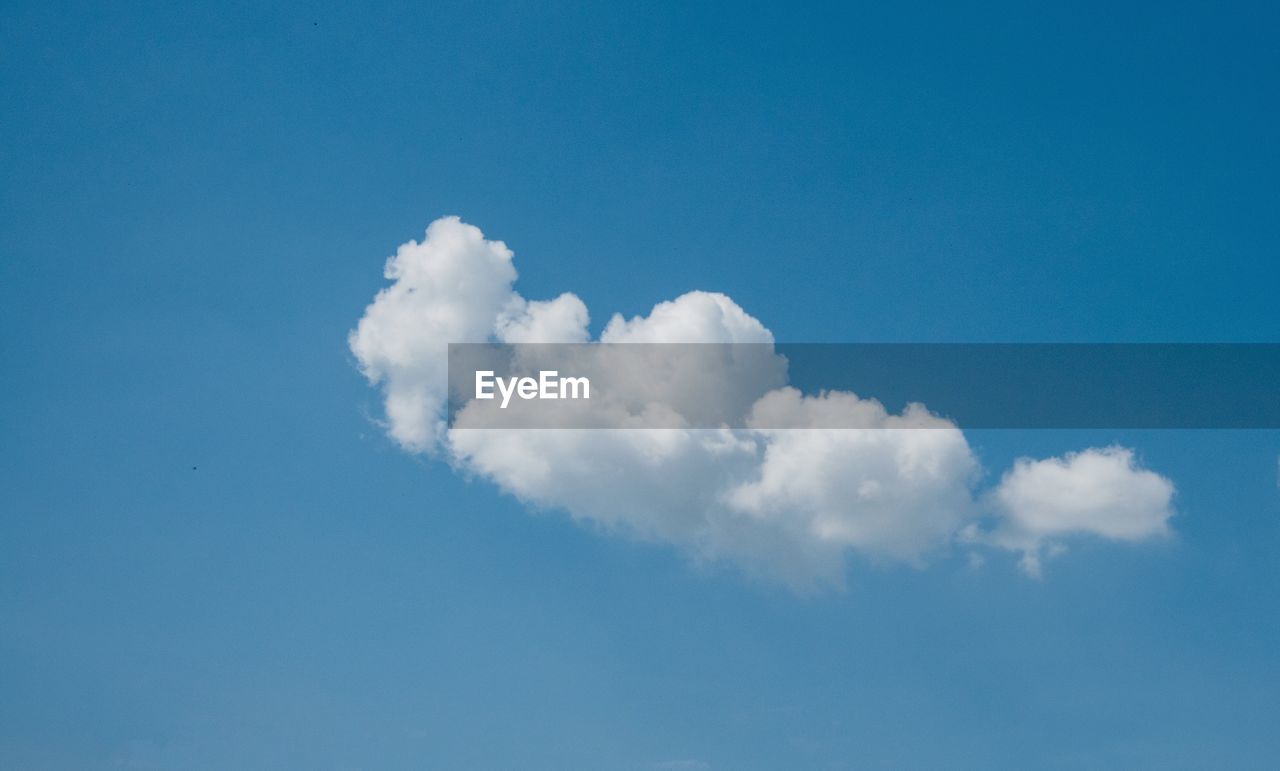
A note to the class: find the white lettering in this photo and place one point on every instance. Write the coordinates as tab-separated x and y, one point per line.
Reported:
569	385
507	387
484	380
548	385
528	388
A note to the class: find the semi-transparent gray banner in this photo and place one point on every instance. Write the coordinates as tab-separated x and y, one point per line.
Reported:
821	385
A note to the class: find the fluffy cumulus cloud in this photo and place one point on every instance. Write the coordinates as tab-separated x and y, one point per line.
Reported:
846	476
1100	492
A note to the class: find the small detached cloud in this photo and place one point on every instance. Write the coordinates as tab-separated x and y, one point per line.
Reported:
1097	492
784	504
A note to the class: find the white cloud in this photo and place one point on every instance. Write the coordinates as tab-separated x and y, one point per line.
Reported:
1098	492
694	317
789	504
451	288
563	320
866	484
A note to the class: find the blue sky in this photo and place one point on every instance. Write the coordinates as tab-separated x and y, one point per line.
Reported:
212	557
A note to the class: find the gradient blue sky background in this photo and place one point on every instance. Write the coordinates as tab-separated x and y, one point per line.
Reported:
195	207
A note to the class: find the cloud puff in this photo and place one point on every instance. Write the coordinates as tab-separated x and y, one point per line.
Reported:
789	504
1100	492
454	287
871	485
